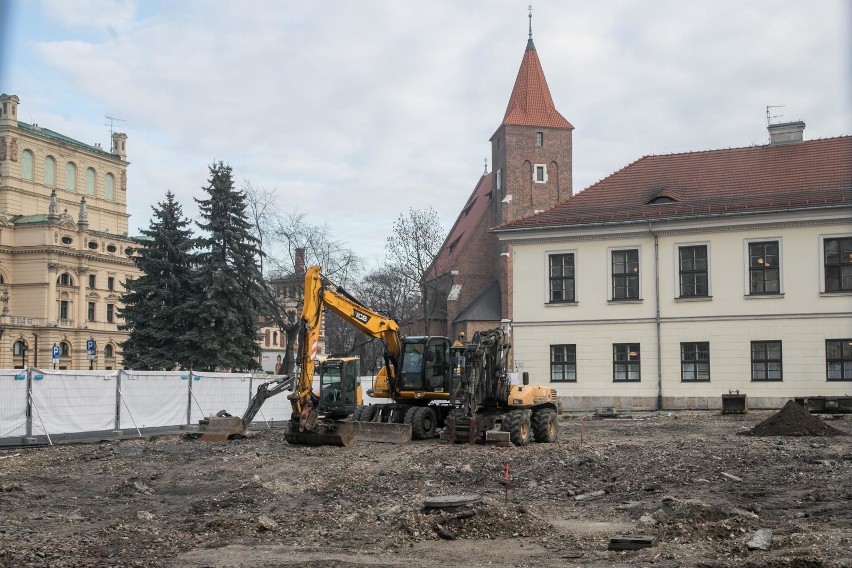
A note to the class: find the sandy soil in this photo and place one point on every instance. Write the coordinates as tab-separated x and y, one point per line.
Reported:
687	478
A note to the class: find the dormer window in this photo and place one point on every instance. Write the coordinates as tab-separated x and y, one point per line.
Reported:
661	199
111	248
93	245
67	240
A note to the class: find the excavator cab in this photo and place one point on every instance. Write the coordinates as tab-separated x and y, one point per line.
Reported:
340	386
425	364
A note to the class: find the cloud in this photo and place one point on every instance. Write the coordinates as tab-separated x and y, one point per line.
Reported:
356	111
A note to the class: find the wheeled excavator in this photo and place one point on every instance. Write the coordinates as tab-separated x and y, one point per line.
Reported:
486	406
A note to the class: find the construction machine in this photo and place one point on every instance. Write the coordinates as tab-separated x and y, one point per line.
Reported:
486	406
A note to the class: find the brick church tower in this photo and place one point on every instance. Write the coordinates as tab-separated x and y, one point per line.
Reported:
471	278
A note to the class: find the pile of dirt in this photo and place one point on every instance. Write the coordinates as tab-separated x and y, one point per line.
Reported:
794	420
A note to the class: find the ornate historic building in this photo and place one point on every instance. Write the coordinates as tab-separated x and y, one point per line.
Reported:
64	249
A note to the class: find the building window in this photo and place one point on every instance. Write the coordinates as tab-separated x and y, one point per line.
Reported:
562	277
67	240
64	349
110	283
838	359
764	268
838	264
766	361
540	173
63	309
91	281
274	338
110	313
111	248
71	176
91	314
539	139
266	335
625	362
625	274
90	181
109	187
109	352
19	348
65	279
695	361
693	271
563	363
499	179
49	171
27	165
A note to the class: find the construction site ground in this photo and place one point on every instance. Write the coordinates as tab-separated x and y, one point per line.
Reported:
689	478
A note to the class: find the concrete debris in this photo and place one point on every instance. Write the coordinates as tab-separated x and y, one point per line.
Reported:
760	540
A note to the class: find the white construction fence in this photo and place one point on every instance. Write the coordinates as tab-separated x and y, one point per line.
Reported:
41	406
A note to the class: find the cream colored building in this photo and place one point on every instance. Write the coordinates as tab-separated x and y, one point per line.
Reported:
684	277
64	249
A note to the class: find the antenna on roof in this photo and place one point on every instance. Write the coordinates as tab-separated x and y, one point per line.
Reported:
530	8
769	116
112	120
486	167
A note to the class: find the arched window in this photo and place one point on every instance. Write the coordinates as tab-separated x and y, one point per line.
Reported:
266	338
109	351
274	338
64	349
90	181
109	187
19	347
65	279
71	176
27	165
49	171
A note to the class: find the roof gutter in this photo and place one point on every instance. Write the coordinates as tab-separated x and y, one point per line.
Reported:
668	219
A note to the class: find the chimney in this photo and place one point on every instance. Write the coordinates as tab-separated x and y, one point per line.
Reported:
300	261
9	109
119	140
786	132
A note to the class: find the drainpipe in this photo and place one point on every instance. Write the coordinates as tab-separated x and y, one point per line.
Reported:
657	317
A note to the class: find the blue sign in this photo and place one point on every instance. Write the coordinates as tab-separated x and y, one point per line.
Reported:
55	351
90	345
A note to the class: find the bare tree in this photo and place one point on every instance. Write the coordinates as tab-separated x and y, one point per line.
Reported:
290	233
261	204
411	250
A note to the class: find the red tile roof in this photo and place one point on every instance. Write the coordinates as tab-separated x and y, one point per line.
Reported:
531	103
809	174
474	210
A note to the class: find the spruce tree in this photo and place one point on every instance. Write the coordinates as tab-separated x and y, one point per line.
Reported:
230	289
155	302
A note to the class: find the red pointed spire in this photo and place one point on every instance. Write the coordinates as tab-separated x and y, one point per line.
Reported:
531	103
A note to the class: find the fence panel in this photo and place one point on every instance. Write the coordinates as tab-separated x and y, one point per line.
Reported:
212	392
153	398
13	403
73	401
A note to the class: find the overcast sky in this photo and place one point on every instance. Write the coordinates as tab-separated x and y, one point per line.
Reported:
355	111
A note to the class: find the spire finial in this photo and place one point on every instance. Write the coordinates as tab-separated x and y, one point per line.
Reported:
530	16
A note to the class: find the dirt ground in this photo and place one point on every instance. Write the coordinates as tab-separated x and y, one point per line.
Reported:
686	477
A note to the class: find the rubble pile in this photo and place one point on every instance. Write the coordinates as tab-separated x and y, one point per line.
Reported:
794	420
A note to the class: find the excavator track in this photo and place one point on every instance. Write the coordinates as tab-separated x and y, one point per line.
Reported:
342	434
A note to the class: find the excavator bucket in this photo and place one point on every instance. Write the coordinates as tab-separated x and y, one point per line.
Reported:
388	432
340	434
222	428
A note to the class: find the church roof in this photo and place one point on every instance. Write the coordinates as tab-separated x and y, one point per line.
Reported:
472	213
531	103
758	179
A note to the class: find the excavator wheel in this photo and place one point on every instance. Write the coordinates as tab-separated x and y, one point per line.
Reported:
367	413
544	425
517	423
424	423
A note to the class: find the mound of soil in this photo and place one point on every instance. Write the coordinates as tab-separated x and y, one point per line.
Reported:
794	420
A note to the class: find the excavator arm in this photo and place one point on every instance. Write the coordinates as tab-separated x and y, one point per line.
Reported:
321	293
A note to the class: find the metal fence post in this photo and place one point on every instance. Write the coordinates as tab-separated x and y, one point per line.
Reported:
117	428
28	437
189	400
